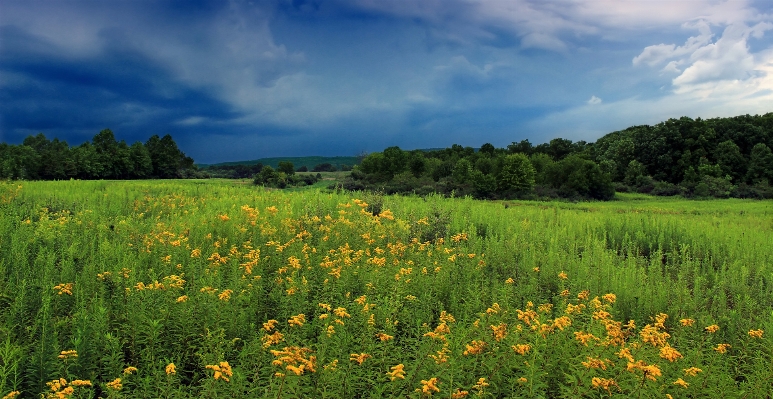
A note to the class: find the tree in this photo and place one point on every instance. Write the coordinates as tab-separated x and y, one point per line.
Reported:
142	165
523	146
487	149
417	164
760	164
168	161
286	167
730	160
517	173
462	171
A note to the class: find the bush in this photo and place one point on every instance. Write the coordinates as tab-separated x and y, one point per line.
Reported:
666	189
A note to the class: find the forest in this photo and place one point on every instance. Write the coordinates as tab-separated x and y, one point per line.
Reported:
697	158
39	158
720	157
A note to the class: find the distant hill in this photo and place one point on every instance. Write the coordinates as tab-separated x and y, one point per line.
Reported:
309	162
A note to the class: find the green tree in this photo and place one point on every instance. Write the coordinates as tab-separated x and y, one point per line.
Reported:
730	160
286	167
517	173
760	164
168	161
417	164
142	165
462	171
523	146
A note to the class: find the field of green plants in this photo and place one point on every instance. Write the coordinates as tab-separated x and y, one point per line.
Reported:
198	289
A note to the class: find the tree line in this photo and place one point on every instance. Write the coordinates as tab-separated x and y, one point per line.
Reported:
39	158
720	157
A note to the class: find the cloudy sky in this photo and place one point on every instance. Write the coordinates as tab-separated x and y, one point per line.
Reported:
242	80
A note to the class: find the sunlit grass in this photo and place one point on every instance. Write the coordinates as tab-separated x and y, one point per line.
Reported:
211	289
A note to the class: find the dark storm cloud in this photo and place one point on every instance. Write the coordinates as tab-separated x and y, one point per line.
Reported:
242	80
118	87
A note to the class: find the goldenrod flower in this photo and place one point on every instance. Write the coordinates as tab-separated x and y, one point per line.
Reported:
430	386
66	355
384	337
474	348
583	295
756	333
625	353
611	298
80	383
397	372
499	331
64	288
494	309
341	312
269	325
692	371
359	358
170	369
459	394
129	370
181	299
297	320
115	384
687	322
562	276
12	395
722	348
594	363
481	384
669	353
508	281
222	371
603	383
521	349
682	383
712	328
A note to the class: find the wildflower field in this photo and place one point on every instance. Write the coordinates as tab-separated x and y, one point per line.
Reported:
191	289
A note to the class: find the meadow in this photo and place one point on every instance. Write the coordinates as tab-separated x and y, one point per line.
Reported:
207	289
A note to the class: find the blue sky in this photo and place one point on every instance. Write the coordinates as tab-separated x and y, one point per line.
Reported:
242	80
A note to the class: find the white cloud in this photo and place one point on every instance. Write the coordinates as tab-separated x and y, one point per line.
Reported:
594	100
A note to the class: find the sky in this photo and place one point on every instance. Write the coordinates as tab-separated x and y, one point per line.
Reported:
241	80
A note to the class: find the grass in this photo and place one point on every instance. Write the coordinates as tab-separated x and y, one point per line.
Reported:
212	289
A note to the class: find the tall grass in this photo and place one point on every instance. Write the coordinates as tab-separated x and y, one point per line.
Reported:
431	293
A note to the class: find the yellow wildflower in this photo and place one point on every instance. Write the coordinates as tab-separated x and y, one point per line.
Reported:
397	372
562	276
722	348
692	371
682	383
65	355
756	333
129	370
297	320
687	322
474	348
669	353
712	328
115	384
12	395
170	369
359	358
429	386
521	349
222	371
603	383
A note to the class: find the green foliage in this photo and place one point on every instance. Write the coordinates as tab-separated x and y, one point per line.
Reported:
103	158
760	164
287	168
516	173
505	301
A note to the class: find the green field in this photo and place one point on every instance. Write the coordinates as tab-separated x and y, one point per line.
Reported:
188	289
